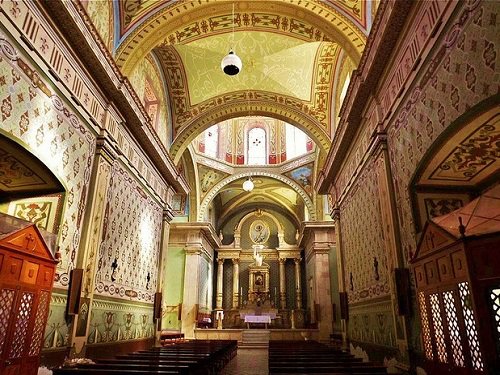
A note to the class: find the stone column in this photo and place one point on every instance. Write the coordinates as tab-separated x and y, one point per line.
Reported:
236	283
298	284
220	273
317	239
162	267
282	283
190	301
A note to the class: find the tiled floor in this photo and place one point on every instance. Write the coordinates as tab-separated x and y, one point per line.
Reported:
248	362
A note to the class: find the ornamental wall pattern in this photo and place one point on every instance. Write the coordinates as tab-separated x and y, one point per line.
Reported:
131	235
39	120
462	73
118	321
362	233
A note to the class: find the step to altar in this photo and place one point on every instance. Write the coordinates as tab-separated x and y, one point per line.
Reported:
254	338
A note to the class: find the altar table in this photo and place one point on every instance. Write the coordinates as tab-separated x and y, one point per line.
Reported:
265	319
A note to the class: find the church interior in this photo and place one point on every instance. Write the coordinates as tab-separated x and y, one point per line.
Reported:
307	181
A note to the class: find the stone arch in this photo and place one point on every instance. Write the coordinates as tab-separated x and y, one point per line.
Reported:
259	213
182	23
217	187
281	111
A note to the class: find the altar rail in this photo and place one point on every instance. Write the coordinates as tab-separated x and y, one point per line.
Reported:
237	334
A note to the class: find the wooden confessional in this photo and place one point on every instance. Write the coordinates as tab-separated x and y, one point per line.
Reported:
458	295
27	268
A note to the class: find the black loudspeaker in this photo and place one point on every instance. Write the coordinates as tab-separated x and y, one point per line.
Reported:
344	306
157	306
74	291
402	280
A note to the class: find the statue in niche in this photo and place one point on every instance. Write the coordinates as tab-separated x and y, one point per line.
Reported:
375	268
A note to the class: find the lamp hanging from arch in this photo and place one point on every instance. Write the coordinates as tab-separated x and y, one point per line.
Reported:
231	64
248	184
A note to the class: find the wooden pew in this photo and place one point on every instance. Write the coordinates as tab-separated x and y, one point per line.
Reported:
185	358
310	357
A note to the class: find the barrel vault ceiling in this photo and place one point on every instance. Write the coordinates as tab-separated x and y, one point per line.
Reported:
294	55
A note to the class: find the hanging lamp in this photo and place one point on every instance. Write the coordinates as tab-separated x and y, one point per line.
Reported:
231	64
248	184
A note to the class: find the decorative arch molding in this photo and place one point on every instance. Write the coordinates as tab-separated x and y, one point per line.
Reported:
216	188
317	110
182	23
262	105
463	161
259	213
277	201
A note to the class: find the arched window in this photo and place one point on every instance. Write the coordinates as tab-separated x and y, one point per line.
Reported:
344	89
212	141
296	142
151	103
257	147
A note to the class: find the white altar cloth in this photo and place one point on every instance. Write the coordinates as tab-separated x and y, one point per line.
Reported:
258	319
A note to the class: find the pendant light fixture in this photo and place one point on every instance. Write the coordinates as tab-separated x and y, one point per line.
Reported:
248	184
231	64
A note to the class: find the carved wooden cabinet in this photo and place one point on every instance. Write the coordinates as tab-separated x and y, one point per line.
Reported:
458	296
27	268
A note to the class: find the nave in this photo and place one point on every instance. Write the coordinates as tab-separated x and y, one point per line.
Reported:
197	357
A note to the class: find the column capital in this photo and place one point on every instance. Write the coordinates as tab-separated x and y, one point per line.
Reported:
335	213
297	260
236	260
220	261
168	214
282	260
106	148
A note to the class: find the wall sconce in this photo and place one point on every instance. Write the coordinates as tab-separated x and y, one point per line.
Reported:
114	266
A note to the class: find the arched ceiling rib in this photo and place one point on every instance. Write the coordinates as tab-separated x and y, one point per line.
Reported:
289	183
237	105
151	23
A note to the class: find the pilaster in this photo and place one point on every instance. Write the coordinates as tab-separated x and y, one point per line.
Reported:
92	237
317	239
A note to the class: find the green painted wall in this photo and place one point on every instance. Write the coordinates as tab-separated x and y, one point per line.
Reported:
173	287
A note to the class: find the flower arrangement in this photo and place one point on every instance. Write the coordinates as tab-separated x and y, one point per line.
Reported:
44	371
77	361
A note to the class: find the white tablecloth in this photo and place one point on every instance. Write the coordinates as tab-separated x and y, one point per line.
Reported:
257	319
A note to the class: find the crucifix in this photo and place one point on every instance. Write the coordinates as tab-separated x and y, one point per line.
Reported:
29	239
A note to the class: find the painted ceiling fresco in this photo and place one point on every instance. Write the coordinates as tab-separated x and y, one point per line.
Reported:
272	62
132	14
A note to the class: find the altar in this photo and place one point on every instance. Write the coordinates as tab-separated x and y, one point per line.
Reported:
257	319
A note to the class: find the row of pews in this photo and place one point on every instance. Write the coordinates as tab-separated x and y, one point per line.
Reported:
312	357
186	358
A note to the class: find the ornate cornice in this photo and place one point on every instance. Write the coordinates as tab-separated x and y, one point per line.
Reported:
318	234
89	49
201	229
387	27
